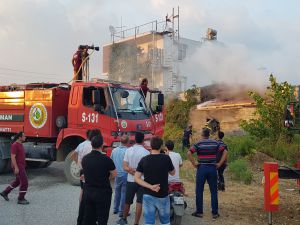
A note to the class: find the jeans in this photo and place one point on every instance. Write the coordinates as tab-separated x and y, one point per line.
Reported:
151	205
120	192
207	173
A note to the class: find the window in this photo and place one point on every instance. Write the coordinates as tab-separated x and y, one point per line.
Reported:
182	51
87	99
128	100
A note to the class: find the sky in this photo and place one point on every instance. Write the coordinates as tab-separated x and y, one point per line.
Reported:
39	37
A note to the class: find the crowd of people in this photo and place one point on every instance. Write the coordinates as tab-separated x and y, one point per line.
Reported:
140	173
145	175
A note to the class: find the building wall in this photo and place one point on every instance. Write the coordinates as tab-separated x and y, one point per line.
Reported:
154	56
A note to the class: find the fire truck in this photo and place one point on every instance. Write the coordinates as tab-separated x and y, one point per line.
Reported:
55	118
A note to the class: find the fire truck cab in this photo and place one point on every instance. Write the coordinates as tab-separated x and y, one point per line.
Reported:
55	118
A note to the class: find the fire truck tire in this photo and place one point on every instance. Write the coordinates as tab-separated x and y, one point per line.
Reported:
72	170
3	165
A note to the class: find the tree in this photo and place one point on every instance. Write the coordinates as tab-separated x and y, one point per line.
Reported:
270	111
177	116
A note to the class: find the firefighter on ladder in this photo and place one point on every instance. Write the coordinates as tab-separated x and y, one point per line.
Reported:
80	62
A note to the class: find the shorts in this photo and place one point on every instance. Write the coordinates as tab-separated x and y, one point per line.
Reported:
151	205
133	188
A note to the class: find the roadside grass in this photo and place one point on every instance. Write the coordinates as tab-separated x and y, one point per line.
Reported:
239	171
240	147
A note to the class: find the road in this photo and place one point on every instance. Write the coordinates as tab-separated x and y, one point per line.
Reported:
52	200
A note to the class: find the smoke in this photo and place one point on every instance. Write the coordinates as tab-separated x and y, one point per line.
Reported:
42	35
231	64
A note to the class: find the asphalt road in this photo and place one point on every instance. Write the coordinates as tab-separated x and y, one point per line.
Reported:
52	200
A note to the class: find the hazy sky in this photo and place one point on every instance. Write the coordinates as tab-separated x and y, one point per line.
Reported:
42	35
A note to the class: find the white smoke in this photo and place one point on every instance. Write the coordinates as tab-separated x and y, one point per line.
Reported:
42	35
223	63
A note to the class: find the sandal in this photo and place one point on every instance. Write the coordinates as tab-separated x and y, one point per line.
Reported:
199	215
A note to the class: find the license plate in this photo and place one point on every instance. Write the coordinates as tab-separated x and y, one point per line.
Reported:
178	200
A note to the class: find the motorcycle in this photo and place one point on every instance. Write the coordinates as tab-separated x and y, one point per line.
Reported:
177	203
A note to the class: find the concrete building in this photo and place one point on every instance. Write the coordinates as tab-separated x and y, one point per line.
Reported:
153	51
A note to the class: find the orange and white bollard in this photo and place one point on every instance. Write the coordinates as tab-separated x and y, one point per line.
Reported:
271	190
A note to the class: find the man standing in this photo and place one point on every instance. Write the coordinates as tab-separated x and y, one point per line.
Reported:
82	150
155	167
76	62
132	157
176	161
117	156
18	166
144	87
207	165
187	134
221	180
97	169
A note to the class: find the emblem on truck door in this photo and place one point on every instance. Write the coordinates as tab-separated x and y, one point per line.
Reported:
124	124
38	115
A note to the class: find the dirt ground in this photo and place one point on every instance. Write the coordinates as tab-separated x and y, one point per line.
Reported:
243	204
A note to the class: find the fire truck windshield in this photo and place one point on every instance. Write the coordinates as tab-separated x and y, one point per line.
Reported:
128	100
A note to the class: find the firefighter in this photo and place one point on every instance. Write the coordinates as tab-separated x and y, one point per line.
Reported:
187	134
221	181
144	87
76	62
18	166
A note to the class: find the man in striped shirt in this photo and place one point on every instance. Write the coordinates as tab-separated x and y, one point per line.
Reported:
206	165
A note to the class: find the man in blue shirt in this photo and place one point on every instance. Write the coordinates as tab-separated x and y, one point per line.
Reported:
120	181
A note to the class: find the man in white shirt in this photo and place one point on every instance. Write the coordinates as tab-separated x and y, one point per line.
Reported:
176	160
132	157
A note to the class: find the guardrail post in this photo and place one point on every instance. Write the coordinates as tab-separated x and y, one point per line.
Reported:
271	191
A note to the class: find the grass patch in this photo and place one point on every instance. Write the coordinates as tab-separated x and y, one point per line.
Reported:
240	146
188	174
240	172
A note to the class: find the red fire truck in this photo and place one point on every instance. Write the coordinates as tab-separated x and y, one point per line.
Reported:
55	118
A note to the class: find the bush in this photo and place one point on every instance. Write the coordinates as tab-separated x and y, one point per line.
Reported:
281	150
240	172
239	146
270	111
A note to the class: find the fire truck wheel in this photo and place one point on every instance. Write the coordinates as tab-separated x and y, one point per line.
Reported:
3	165
72	170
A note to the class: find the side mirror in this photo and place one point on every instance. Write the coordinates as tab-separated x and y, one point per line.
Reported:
160	99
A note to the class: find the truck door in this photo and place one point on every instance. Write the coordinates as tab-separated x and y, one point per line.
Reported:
155	103
91	115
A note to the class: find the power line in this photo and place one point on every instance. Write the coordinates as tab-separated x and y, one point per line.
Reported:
5	75
25	71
